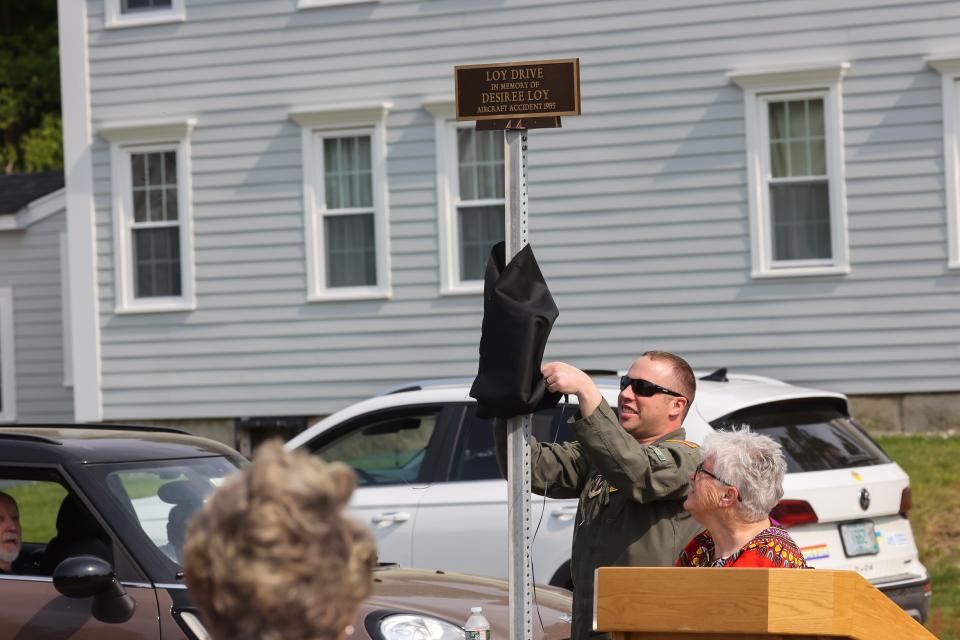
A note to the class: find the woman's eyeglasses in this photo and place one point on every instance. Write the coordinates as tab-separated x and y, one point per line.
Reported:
646	388
700	470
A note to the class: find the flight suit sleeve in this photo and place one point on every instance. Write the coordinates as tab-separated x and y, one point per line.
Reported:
647	473
557	470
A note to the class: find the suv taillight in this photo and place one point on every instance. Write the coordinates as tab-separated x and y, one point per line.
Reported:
793	512
906	501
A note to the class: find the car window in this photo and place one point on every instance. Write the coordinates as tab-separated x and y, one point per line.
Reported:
384	450
55	524
475	457
38	501
162	496
816	435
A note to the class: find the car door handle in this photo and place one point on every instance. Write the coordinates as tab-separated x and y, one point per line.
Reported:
565	514
389	518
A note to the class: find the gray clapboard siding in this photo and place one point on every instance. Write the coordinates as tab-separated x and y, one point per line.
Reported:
30	265
639	212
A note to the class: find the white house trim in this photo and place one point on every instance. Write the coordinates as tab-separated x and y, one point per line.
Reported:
367	118
114	18
949	68
759	86
8	379
35	211
125	139
81	218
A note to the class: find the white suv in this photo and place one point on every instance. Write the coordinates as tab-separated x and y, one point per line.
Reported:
430	489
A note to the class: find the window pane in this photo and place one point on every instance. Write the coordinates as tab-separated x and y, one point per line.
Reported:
818	158
480	229
778	121
139	5
480	156
138	169
797	119
387	451
815	118
170	205
139	205
156	257
801	221
798	159
348	174
796	138
155	205
351	251
170	168
467	161
778	159
154	168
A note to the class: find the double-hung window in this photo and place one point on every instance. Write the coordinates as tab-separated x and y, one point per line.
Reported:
135	13
949	68
795	171
470	198
345	201
153	234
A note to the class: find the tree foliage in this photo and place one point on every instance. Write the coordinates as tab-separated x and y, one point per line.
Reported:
29	87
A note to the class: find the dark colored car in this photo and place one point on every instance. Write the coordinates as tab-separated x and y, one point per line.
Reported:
123	495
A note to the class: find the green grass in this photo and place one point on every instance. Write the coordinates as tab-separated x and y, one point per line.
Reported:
933	464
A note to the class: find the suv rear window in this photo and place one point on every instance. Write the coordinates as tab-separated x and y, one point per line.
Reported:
816	435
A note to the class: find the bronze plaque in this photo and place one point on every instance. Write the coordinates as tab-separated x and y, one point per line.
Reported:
535	89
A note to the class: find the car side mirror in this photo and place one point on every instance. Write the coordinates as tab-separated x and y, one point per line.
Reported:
90	576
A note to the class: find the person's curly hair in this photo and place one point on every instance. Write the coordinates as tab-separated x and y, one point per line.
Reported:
272	554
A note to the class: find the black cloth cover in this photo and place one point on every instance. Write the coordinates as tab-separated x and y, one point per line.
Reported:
518	313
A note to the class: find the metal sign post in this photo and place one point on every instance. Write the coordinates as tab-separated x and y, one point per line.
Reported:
514	97
519	550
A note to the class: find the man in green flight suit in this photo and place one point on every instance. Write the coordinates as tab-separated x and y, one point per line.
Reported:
631	474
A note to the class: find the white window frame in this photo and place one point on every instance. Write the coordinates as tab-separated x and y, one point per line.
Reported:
8	380
126	139
448	196
114	18
318	123
760	88
949	68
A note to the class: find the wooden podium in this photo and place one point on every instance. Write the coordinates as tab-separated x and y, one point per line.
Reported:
637	603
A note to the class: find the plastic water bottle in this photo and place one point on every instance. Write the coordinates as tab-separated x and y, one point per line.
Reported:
476	627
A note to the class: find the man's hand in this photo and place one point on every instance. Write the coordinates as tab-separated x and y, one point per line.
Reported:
564	378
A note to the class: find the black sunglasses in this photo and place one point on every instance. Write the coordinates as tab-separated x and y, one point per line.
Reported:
700	470
645	388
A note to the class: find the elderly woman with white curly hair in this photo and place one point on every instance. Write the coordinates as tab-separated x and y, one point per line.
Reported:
731	494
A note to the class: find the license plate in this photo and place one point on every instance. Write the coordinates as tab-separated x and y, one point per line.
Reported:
859	539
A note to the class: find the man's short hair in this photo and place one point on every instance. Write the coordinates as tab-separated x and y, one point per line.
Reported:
686	381
273	555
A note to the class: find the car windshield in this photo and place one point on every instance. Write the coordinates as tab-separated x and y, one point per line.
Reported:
816	434
160	496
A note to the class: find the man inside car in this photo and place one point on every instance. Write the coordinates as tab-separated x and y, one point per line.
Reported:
631	472
10	534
